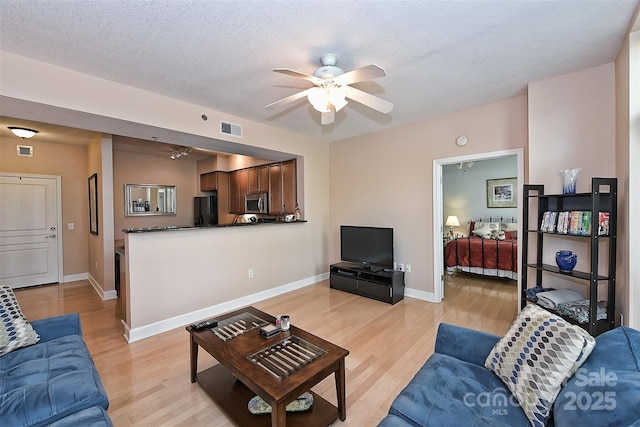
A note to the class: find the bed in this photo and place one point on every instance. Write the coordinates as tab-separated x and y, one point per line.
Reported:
491	249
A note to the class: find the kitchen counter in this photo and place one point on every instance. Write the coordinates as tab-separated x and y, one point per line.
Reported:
178	228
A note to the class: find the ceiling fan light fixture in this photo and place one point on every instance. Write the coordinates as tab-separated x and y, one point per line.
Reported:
23	133
336	97
319	99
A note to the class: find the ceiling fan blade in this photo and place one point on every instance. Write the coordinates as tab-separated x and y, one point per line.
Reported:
289	99
328	117
369	100
369	72
294	73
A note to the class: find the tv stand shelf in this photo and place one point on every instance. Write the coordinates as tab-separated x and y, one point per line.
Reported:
385	286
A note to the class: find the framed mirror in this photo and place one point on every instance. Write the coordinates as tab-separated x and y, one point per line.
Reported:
149	199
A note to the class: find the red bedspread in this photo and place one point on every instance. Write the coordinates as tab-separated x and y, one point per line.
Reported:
482	253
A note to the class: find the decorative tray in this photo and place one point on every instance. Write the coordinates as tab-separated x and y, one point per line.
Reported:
234	326
287	356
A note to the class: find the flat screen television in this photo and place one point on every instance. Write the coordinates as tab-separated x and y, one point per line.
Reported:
370	246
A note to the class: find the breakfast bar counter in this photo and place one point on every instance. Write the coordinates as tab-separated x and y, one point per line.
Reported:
179	228
173	276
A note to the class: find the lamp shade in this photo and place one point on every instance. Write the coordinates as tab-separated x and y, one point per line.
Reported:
452	221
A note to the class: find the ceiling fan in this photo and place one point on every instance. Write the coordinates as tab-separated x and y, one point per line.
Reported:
331	87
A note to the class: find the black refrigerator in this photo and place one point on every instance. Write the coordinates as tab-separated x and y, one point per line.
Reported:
205	210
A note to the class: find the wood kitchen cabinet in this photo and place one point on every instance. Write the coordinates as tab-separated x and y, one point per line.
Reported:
258	179
282	187
238	188
213	181
289	188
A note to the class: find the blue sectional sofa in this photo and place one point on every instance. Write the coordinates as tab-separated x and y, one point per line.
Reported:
454	388
53	382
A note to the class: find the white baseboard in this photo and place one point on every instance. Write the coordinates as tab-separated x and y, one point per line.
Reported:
422	295
75	277
146	331
104	295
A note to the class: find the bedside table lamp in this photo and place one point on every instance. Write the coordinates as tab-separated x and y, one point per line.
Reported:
452	221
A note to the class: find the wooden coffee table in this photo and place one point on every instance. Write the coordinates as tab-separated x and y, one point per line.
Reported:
279	369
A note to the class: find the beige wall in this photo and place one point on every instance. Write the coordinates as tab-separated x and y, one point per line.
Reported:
572	125
628	155
284	257
385	178
70	163
133	168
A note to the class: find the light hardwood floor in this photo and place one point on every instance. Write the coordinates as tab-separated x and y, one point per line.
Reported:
148	381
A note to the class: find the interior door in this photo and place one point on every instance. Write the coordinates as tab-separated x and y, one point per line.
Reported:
29	247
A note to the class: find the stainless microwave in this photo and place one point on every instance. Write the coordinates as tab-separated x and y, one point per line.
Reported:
256	203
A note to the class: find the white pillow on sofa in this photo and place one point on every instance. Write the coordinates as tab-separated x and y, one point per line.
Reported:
538	353
15	331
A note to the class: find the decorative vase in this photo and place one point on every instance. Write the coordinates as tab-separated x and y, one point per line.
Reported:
566	261
569	178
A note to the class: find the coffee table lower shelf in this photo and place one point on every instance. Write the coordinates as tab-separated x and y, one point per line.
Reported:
232	396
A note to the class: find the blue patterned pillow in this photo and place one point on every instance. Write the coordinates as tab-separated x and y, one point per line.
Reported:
15	331
538	353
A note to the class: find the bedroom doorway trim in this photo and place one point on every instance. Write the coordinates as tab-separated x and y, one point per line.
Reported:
438	220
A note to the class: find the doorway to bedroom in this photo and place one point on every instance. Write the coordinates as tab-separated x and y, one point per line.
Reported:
480	189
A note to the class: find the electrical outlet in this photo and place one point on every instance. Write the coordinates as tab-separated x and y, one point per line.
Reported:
407	268
401	267
251	273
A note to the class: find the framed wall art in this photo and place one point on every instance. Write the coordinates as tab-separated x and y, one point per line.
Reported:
502	193
93	204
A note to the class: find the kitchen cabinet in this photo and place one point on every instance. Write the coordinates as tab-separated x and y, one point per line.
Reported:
275	188
289	188
258	179
238	188
212	181
282	187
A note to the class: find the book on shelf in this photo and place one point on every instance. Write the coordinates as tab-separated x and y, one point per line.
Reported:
575	224
586	223
578	223
603	224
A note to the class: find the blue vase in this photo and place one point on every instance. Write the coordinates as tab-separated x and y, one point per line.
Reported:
566	261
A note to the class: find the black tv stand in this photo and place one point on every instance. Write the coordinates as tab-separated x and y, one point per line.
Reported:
367	281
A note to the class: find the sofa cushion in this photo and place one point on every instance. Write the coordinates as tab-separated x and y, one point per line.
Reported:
95	416
450	392
606	389
15	331
538	353
48	381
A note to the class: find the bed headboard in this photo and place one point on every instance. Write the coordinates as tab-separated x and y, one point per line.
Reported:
507	224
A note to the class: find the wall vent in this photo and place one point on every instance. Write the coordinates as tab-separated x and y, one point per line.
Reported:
231	129
25	151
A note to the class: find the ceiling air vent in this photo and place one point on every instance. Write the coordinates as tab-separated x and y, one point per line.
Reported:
25	151
231	129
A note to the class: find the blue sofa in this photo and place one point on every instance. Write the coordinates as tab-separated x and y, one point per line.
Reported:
53	382
453	388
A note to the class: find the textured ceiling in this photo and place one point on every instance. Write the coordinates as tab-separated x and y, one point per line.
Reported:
440	56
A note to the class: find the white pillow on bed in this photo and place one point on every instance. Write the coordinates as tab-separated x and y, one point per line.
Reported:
486	229
509	226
